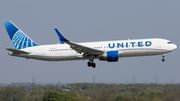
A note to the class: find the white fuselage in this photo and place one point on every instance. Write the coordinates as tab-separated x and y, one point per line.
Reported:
126	48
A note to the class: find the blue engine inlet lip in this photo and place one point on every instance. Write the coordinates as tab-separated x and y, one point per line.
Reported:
113	56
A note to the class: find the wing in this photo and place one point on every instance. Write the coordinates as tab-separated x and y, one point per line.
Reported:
17	51
78	47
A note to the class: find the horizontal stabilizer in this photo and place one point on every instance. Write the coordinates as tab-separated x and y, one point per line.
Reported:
17	51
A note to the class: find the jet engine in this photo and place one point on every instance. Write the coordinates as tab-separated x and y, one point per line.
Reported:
110	56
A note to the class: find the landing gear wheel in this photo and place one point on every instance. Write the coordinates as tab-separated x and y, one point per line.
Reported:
163	60
93	65
89	64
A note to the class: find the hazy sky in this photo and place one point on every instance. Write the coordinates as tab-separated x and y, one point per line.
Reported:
91	20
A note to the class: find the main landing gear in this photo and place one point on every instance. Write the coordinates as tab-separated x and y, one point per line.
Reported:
163	56
91	63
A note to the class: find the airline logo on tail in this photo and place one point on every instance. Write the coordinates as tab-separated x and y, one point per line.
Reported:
19	39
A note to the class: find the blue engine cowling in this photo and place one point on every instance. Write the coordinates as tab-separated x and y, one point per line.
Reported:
110	56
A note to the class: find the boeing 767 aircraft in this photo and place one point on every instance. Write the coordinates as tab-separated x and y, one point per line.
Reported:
109	51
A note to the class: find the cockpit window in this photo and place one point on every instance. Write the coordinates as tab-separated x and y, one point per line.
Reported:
170	42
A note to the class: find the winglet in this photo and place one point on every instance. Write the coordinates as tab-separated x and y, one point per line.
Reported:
61	37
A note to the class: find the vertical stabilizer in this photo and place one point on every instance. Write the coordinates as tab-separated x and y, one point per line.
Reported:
19	39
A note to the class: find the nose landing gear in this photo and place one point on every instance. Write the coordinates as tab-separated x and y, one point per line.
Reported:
163	56
163	60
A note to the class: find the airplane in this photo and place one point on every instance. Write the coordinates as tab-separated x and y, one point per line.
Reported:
109	51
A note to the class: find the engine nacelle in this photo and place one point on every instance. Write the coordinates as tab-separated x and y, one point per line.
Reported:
110	56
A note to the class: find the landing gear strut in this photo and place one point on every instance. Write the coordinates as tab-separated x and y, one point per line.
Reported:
91	63
163	56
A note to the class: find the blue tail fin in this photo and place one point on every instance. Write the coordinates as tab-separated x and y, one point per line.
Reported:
19	39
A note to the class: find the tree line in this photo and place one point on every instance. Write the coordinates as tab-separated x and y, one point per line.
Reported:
92	92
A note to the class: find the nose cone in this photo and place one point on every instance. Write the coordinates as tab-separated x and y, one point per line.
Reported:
173	46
